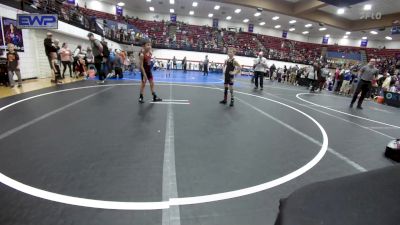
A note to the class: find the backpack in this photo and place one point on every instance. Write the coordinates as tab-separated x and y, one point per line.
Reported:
106	51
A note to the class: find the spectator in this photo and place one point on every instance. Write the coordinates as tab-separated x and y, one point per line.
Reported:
97	49
66	57
13	66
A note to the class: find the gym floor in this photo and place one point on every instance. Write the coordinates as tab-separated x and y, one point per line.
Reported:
87	154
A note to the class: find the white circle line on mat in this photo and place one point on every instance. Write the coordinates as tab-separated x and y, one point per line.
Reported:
92	203
338	111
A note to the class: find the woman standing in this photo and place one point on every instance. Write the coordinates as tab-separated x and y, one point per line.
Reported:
66	56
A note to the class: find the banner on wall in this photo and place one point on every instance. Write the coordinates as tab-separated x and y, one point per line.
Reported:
251	28
1	36
173	17
71	2
284	34
12	34
119	10
37	21
396	30
364	43
325	40
215	23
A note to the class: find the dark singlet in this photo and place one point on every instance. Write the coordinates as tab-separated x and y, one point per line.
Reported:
230	66
147	65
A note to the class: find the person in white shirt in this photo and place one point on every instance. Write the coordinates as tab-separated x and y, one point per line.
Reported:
260	66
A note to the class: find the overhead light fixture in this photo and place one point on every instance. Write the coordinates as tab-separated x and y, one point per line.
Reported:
245	20
210	15
228	17
217	7
151	8
367	7
327	35
364	38
373	32
148	0
121	4
292	29
305	32
275	18
257	14
238	10
171	2
348	32
278	26
345	37
388	38
171	10
308	25
322	29
340	11
262	23
191	12
292	21
194	4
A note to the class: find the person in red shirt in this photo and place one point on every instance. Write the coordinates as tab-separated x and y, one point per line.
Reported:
145	68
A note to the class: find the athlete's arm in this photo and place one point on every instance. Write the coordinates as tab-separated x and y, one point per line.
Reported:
237	68
141	57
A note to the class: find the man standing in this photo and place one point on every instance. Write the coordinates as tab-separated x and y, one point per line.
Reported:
367	74
49	48
260	66
97	49
205	66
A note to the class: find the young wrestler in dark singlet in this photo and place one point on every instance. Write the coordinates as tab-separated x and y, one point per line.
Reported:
145	69
232	68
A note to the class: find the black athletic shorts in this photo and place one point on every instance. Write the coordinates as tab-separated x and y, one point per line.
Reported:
229	79
149	76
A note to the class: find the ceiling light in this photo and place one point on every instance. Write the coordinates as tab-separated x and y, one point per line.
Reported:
245	20
292	29
148	0
191	12
238	10
364	38
367	7
171	2
257	14
305	32
228	18
348	32
262	23
210	15
388	38
195	4
308	25
278	26
327	35
275	18
151	8
345	36
217	7
340	11
121	4
322	29
171	10
373	32
292	21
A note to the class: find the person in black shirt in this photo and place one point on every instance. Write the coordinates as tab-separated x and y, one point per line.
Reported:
49	47
13	65
232	68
